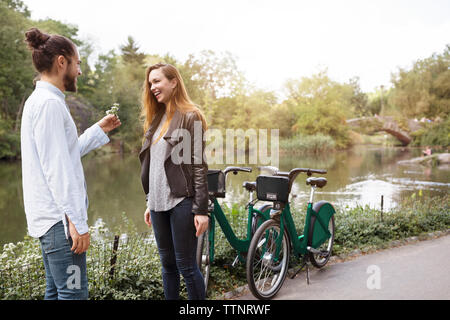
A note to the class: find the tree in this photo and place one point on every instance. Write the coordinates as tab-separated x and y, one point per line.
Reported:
16	74
321	106
16	71
424	90
377	101
130	52
17	6
52	26
358	100
213	74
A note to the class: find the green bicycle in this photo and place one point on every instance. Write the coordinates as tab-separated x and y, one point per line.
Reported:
269	252
205	242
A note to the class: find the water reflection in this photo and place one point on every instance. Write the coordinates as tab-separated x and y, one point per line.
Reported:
359	176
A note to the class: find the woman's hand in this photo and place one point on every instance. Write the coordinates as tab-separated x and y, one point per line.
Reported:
147	218
201	223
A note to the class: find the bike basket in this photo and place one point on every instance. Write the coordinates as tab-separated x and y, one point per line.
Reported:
272	188
216	183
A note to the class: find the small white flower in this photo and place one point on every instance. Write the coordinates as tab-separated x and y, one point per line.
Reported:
114	110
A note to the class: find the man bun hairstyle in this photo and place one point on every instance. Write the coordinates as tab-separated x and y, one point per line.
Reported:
45	48
35	38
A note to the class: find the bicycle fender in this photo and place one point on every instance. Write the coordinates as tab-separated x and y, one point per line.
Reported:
328	206
323	211
264	208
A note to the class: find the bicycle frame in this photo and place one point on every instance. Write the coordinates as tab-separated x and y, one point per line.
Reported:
240	245
268	257
300	243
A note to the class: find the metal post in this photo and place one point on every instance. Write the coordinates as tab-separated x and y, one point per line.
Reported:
382	203
114	256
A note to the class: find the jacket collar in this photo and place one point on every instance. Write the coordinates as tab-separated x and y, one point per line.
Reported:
174	124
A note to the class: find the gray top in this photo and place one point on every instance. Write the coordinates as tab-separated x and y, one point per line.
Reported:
160	197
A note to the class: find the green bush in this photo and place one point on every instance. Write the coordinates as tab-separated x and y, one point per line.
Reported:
363	228
9	141
308	144
433	135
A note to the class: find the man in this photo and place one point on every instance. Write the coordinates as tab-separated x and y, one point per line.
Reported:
54	190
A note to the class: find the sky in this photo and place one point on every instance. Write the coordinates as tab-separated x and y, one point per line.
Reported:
272	41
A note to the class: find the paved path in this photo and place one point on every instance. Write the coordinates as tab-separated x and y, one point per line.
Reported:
419	270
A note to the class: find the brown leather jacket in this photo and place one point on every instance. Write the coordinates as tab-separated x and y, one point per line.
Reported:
185	179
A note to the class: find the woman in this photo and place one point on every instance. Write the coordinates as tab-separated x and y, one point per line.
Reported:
177	193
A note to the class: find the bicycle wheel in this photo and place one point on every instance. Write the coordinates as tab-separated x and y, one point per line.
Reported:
203	257
266	272
320	259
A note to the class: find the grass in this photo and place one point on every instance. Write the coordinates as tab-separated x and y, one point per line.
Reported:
305	143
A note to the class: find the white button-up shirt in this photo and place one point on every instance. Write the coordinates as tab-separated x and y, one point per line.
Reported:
52	173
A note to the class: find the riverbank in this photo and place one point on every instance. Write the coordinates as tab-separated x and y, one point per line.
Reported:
302	144
137	275
431	160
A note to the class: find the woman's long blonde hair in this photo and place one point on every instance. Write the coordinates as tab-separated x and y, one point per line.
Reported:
178	101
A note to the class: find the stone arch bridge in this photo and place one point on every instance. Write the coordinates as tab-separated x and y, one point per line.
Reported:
399	129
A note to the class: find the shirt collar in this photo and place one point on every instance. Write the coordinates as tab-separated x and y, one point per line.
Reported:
50	87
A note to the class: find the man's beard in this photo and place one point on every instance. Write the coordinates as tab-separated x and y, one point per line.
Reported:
70	83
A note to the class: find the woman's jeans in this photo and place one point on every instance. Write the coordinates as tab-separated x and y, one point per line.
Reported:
177	244
65	271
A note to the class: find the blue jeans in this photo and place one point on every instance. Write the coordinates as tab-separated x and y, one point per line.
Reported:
65	271
177	244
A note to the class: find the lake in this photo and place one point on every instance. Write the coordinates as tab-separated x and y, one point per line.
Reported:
359	176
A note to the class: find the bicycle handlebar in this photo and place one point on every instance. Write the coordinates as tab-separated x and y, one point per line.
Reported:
236	169
294	173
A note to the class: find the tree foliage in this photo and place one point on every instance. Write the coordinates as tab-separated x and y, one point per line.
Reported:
131	54
321	106
314	105
17	6
424	91
16	72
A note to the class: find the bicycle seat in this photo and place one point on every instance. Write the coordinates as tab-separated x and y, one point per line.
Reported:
250	186
318	182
